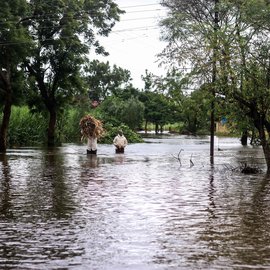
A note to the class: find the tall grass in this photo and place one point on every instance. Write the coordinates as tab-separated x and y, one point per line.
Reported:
26	128
69	125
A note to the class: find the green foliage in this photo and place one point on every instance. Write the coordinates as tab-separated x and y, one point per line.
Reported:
104	80
116	111
195	114
158	108
63	37
26	129
63	33
15	44
14	48
71	132
111	110
15	41
164	97
132	113
227	47
112	131
68	125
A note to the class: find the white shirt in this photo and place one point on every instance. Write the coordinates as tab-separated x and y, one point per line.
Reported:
120	141
92	143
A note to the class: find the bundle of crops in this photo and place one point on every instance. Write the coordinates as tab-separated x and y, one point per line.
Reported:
90	127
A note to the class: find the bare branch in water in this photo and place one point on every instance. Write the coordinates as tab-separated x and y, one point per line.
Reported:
191	162
178	157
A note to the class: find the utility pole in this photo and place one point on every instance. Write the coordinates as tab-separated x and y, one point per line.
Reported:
214	78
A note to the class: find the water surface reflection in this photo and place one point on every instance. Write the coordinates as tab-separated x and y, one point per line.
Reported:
62	209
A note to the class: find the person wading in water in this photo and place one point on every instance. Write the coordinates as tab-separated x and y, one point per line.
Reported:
120	142
92	141
91	129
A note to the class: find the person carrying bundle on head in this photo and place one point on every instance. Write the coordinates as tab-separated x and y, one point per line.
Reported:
91	130
120	142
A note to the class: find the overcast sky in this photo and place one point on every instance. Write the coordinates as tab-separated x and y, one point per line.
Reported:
135	40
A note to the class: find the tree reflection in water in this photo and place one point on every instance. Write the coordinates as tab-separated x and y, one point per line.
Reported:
5	190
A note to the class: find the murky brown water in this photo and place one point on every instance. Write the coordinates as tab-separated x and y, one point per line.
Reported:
61	209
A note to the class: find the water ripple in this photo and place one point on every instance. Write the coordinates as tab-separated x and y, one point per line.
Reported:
61	209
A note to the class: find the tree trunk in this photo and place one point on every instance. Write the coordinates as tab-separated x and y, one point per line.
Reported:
4	126
263	127
156	128
6	114
161	129
145	126
266	151
244	138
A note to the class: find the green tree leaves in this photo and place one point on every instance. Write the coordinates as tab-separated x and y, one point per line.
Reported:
240	42
63	33
14	47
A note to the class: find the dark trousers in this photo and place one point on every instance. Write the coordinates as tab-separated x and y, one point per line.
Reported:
92	152
119	150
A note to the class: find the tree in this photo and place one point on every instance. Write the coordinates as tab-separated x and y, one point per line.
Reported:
63	32
195	111
158	109
128	111
242	52
191	31
246	65
104	80
132	113
14	44
161	99
175	87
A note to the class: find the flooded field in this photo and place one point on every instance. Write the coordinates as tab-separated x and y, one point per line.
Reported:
145	209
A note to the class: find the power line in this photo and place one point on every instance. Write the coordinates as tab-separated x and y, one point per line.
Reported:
146	5
52	16
71	15
48	16
142	18
144	10
142	28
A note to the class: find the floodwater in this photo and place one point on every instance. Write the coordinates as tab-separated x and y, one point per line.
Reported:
149	208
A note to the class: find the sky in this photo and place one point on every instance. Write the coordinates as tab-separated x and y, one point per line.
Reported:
135	40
